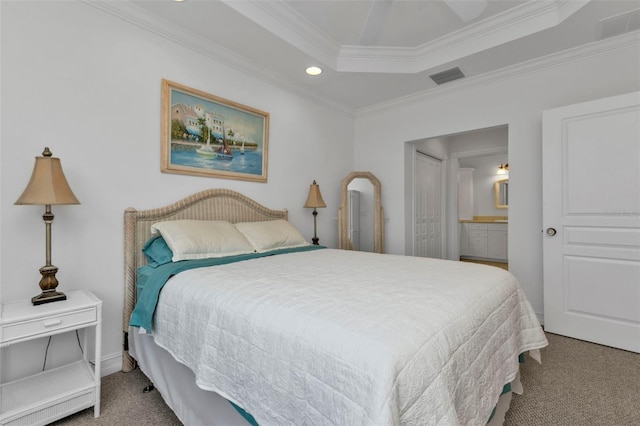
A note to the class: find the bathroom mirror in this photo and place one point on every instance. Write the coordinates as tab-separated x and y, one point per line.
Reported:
360	216
501	193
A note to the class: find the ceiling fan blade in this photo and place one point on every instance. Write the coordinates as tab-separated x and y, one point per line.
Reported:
467	10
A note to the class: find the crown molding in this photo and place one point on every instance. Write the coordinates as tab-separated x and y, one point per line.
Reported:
283	21
589	50
139	17
502	28
277	17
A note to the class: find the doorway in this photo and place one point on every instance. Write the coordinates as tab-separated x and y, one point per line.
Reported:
483	214
449	150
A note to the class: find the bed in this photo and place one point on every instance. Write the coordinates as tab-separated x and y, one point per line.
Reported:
290	333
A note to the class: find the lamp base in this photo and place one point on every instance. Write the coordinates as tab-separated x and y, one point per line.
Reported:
48	296
315	238
48	284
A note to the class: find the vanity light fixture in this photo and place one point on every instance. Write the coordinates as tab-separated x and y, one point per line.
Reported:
503	169
46	187
314	200
314	70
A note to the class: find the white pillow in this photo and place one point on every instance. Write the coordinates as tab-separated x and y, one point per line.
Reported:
201	239
271	235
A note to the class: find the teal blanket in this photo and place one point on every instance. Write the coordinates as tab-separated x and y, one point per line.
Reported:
151	280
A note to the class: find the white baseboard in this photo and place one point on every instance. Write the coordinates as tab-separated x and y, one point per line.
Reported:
111	364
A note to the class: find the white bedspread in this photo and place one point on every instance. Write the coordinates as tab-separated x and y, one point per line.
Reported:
334	337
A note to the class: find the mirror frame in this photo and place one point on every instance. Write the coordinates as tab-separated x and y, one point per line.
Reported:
496	194
378	216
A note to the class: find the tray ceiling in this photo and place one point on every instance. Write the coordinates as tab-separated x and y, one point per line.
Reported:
374	51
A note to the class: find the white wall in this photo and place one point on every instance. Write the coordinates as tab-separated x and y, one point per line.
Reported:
87	85
484	177
517	101
478	140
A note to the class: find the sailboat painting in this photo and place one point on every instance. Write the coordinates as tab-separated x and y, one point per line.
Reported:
205	135
222	152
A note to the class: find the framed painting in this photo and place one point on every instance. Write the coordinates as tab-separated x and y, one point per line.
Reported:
205	135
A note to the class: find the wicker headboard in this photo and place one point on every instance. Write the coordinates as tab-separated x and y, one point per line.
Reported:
211	204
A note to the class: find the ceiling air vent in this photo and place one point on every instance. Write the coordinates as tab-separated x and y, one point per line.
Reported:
447	75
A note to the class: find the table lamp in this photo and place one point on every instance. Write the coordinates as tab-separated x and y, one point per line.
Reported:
46	187
314	200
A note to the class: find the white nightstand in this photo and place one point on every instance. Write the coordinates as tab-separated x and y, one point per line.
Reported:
52	394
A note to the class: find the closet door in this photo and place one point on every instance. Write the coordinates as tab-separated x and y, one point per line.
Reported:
428	206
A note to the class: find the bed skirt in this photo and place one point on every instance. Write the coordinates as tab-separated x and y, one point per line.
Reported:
195	406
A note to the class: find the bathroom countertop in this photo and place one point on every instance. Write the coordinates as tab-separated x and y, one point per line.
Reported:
486	219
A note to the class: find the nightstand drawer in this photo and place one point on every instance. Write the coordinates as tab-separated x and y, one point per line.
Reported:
48	325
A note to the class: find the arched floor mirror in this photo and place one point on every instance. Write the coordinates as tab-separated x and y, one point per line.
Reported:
360	216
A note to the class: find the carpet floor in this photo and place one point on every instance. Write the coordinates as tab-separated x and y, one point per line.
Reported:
577	384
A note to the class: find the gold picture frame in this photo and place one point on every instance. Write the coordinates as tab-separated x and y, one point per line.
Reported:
205	135
501	193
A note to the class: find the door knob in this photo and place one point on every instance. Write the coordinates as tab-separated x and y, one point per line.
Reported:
551	232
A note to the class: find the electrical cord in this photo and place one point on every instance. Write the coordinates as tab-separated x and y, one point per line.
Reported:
46	351
79	344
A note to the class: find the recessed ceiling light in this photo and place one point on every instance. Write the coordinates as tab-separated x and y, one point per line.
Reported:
314	71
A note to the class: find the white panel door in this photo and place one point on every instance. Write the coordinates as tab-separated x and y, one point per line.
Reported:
591	219
428	207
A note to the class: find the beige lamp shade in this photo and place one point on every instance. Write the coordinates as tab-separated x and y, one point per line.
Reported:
314	200
48	184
